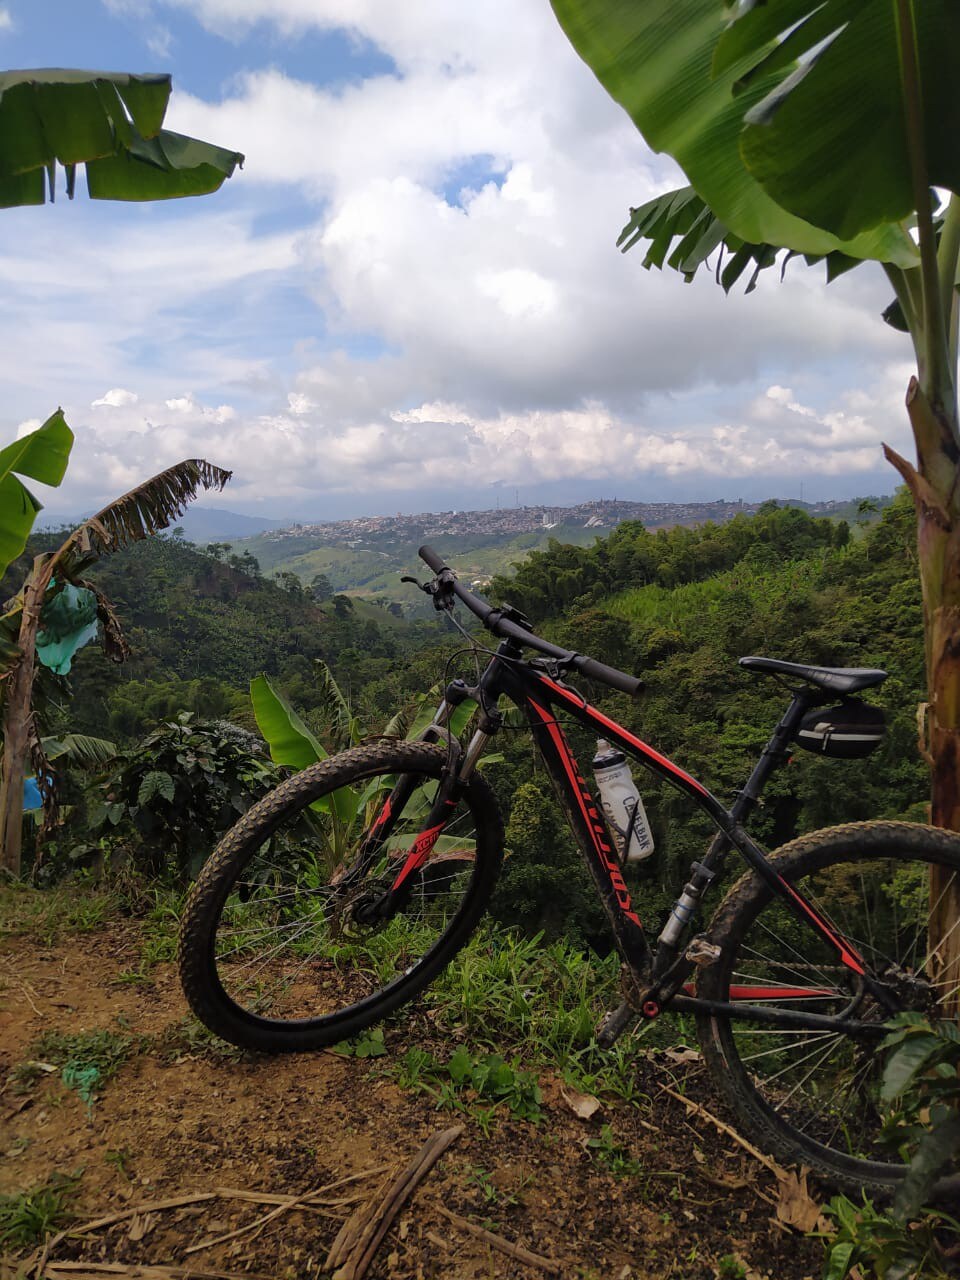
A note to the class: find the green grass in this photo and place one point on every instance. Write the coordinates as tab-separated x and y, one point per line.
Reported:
47	914
507	997
474	1084
605	1151
158	944
191	1039
510	993
87	1059
28	1218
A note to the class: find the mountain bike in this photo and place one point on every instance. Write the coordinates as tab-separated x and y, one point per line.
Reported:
345	891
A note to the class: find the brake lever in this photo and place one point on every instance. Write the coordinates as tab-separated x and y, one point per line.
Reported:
441	593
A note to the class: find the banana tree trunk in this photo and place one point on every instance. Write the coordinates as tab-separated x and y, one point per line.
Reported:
934	488
940	567
17	716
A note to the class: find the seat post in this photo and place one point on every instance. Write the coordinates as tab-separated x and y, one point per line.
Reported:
774	753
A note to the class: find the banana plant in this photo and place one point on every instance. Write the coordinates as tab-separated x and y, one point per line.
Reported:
138	514
79	749
109	122
40	455
292	743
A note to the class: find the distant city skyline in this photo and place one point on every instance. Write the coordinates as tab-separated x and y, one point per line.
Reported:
411	295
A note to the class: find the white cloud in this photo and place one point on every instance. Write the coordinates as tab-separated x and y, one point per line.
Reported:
305	462
160	42
298	403
449	301
115	398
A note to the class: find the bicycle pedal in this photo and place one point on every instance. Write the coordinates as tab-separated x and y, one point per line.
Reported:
614	1024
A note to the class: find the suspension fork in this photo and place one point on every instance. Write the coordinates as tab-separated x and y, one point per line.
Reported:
453	781
383	824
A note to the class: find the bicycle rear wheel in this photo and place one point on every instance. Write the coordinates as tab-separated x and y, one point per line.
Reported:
812	1096
279	946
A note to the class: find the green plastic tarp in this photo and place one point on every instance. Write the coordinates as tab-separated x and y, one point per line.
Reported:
69	622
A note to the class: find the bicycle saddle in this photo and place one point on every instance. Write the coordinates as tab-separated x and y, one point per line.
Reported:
836	679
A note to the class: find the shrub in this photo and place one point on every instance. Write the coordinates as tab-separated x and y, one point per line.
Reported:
168	799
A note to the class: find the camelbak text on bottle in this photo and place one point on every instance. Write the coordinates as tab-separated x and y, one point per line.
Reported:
621	803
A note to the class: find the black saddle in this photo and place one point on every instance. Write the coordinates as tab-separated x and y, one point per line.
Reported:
835	679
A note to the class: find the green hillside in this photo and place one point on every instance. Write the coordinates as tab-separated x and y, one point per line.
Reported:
375	570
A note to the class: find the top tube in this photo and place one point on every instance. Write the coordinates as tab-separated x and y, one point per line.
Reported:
502	624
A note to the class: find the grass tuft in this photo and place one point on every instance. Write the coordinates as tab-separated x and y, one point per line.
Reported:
28	1218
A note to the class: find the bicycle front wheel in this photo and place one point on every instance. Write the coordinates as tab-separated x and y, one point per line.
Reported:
812	1096
281	943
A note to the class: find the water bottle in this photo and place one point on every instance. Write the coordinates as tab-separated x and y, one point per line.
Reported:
621	803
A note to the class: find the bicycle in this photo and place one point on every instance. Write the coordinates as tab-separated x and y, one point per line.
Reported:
345	891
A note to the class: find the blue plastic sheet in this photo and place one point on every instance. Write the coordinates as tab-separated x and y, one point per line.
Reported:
32	799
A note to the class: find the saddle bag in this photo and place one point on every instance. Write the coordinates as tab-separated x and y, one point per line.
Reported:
847	732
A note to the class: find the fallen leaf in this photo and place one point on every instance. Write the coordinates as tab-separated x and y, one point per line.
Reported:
681	1055
141	1224
583	1105
796	1207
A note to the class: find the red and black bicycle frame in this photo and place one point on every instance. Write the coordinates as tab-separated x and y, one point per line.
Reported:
544	700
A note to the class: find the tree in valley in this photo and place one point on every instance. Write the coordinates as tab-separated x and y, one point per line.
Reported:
825	129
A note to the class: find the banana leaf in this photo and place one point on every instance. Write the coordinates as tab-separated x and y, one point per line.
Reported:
291	743
109	121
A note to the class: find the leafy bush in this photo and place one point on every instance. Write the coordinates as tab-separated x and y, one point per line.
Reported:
168	799
922	1087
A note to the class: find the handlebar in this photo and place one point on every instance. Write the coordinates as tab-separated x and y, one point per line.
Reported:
499	622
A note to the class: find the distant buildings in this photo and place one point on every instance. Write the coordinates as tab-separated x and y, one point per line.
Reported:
603	514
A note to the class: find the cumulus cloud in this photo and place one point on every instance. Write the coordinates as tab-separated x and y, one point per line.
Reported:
444	295
115	398
303	463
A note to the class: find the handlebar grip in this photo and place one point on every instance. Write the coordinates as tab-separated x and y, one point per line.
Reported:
609	675
430	556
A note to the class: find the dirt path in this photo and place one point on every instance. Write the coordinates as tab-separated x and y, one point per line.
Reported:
659	1193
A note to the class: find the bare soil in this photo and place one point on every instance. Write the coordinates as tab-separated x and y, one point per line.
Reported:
185	1115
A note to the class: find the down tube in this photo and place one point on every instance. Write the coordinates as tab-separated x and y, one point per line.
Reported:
590	827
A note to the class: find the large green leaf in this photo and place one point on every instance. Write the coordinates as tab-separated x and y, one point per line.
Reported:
655	57
109	121
683	217
42	455
79	749
291	743
428	706
830	142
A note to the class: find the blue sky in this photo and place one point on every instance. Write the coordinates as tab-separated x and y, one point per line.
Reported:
410	297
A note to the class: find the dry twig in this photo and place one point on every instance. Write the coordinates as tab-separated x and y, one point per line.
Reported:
360	1236
178	1202
725	1128
147	1271
516	1251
